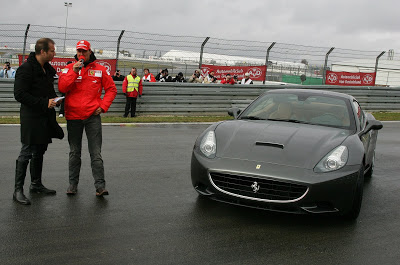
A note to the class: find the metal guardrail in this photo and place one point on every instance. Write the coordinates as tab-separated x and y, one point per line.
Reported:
210	99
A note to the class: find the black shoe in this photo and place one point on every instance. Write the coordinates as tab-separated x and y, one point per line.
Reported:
72	189
101	192
39	188
124	116
19	197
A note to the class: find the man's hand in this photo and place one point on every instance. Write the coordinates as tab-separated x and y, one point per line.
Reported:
52	103
76	66
98	111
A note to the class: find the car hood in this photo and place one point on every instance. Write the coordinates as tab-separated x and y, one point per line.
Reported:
283	143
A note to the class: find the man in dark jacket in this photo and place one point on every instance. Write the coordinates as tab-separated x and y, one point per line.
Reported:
164	76
34	89
179	78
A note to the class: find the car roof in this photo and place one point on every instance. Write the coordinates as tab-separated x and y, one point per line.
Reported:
311	91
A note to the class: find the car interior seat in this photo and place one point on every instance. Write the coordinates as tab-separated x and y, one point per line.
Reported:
283	112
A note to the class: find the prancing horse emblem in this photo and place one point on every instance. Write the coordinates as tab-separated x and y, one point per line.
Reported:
255	187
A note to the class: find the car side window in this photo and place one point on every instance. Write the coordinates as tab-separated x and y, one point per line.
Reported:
360	114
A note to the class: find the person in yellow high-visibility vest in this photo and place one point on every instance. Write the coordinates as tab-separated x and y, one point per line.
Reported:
132	88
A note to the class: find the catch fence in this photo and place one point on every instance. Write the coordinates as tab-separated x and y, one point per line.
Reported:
285	62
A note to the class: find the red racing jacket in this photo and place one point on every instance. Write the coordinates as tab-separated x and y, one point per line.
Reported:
83	90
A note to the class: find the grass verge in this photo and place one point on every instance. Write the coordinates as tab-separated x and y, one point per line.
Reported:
387	116
139	119
382	116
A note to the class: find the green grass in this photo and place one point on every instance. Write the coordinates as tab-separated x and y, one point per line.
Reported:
382	116
387	116
139	119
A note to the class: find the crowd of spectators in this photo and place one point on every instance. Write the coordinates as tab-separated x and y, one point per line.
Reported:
196	77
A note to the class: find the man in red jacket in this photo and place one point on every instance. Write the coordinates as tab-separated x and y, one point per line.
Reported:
228	80
132	88
148	77
82	84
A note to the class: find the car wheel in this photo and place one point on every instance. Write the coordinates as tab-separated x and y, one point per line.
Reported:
358	195
371	168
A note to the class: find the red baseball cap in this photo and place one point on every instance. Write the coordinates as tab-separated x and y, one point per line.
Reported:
83	44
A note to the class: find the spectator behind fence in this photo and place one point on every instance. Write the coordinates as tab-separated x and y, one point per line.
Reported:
228	80
132	88
179	78
235	79
165	77
148	77
117	76
246	80
159	75
210	78
34	89
83	83
196	77
7	71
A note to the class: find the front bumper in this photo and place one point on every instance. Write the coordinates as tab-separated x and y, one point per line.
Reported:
331	192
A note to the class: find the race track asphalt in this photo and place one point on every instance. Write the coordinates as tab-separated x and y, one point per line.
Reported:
154	216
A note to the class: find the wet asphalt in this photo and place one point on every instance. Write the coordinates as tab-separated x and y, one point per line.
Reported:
154	216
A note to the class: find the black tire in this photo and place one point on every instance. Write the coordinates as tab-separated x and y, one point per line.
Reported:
371	168
353	213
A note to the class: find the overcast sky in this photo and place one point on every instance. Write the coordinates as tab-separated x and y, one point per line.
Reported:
350	24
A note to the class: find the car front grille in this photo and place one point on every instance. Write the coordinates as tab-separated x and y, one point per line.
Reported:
257	188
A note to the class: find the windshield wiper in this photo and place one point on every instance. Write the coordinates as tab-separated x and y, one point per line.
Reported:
290	120
251	118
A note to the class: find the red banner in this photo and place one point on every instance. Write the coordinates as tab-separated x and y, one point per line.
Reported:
257	73
350	79
60	63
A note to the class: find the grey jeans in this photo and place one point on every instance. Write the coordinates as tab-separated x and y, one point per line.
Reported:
92	127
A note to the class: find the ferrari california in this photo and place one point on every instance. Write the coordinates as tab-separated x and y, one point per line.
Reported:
290	150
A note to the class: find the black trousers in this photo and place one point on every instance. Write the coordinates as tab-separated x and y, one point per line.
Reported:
31	150
130	105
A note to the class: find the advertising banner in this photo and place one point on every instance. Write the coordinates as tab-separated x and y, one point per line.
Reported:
60	63
350	79
257	73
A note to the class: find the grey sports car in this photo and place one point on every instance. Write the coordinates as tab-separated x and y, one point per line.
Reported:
290	150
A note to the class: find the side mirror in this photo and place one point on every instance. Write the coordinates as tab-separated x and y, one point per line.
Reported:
234	112
371	125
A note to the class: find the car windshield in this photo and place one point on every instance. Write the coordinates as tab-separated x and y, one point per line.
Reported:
308	108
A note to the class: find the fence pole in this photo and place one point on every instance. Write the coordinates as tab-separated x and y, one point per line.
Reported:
201	51
185	69
325	64
266	61
377	60
26	36
118	43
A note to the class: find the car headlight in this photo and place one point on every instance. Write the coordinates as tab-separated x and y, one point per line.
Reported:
208	145
334	160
